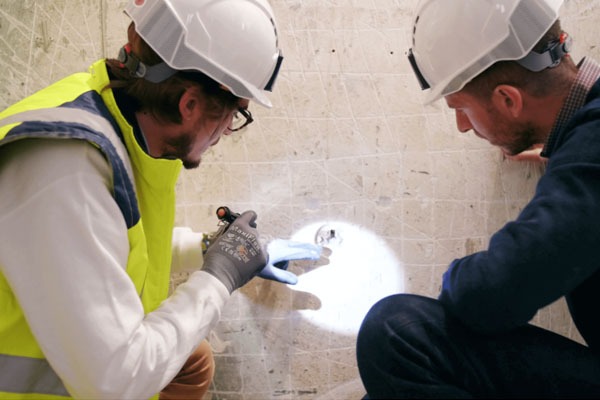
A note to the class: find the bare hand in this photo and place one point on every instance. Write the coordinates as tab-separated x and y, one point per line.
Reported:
532	154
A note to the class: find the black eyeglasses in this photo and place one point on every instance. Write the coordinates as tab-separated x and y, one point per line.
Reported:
241	119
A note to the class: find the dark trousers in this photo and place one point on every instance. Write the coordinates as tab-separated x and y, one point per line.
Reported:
409	347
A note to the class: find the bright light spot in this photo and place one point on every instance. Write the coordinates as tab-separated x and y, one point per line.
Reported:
361	271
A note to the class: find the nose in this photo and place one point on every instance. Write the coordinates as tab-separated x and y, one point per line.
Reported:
222	131
463	124
215	141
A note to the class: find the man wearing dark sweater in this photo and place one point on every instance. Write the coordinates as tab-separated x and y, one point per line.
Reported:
504	68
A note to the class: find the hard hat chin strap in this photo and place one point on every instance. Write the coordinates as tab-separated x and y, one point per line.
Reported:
155	73
550	58
269	86
413	63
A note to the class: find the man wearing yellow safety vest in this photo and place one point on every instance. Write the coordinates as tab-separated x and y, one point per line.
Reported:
88	168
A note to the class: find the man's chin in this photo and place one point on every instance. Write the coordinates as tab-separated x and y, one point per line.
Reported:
511	152
191	164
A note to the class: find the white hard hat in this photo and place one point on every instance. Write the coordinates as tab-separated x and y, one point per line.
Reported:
234	42
455	40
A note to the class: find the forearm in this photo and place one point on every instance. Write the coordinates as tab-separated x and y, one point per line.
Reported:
531	262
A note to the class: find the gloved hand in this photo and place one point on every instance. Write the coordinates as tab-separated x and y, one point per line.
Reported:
236	256
281	252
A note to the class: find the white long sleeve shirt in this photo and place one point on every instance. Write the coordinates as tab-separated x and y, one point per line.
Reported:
64	250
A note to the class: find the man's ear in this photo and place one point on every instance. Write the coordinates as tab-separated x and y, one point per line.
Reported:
188	104
134	39
508	100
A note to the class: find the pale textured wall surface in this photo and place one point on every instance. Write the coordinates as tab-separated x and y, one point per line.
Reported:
347	141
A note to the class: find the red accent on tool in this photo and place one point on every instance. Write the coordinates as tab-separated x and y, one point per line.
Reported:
226	215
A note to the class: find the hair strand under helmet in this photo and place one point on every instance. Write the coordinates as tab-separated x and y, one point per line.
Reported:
453	41
234	42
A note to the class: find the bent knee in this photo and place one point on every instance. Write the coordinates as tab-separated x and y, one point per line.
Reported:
397	311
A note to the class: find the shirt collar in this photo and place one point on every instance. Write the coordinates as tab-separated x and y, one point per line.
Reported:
588	74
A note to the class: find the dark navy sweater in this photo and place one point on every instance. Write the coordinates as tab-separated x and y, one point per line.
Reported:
551	250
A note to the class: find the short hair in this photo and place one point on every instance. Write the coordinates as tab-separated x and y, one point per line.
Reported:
162	99
537	84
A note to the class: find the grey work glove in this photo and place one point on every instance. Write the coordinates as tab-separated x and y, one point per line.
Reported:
236	256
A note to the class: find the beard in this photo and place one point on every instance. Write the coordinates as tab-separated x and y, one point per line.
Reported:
190	164
524	138
514	138
180	148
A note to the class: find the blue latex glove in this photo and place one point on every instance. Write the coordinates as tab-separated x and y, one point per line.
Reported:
281	252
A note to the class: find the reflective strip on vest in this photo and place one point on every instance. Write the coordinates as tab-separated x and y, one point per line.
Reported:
39	376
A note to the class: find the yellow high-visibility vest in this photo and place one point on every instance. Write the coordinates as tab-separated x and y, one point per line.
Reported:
77	107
